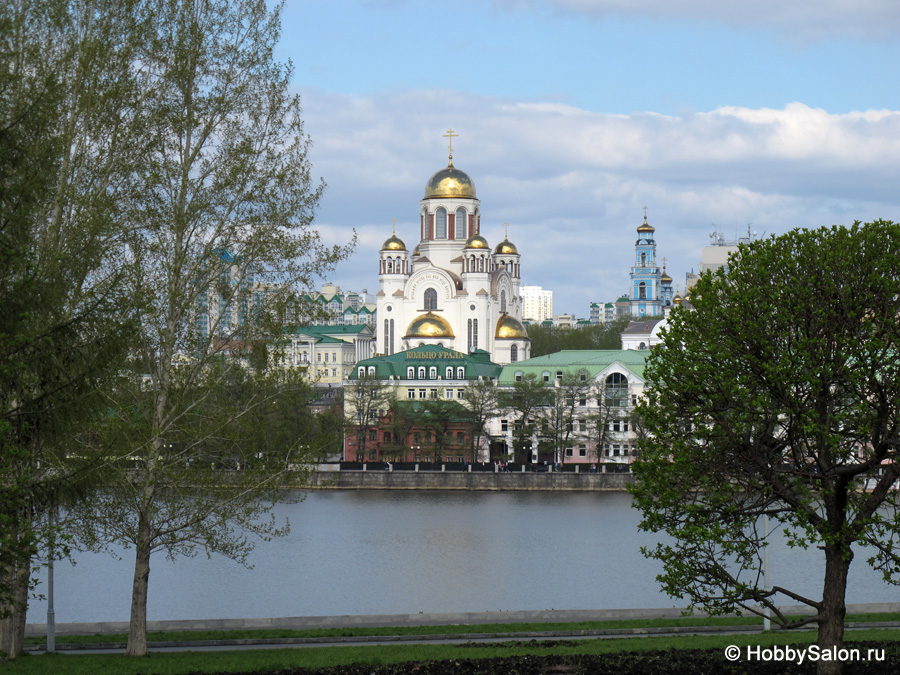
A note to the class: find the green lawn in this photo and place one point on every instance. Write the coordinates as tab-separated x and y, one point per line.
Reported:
315	657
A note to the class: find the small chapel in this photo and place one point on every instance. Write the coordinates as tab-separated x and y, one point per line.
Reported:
452	290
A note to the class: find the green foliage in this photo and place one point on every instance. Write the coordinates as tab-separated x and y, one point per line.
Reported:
778	396
551	339
525	400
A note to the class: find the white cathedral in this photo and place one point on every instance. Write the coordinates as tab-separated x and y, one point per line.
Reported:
452	291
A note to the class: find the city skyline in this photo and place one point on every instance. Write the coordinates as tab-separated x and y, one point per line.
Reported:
573	115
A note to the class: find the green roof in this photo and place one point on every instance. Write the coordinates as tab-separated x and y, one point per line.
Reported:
396	365
593	361
329	330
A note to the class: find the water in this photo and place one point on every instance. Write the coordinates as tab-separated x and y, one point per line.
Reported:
399	552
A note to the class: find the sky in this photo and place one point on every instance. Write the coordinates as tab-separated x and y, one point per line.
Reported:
574	115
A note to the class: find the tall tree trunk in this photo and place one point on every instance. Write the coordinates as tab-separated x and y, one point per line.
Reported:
12	626
834	609
137	627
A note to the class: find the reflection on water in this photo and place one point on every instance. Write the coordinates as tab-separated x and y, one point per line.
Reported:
398	552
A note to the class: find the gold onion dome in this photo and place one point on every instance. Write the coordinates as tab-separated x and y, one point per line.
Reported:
429	325
450	183
510	328
393	243
507	247
477	241
645	226
665	278
677	299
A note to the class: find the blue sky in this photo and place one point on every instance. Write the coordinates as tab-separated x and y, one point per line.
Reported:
574	114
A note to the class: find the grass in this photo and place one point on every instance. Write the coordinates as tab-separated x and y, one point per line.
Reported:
317	657
175	636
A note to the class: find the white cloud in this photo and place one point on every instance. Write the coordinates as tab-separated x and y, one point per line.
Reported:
572	183
802	20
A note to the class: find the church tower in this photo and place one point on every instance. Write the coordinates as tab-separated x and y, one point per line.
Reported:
646	290
453	291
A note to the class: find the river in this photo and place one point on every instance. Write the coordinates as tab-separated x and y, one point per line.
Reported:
399	552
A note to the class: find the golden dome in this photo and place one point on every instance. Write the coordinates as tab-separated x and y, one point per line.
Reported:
510	328
477	241
506	246
393	243
449	183
665	278
646	227
677	300
429	325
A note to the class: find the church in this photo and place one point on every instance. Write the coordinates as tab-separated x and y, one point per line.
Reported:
452	290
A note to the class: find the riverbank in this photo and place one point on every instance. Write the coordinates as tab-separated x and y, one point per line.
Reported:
329	476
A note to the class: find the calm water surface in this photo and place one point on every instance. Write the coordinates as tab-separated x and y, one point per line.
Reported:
394	552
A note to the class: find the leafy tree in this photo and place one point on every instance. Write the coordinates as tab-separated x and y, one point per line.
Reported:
436	419
481	399
225	200
525	402
67	140
550	339
404	416
779	396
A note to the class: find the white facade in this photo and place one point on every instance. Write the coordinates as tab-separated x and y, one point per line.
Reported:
452	290
537	304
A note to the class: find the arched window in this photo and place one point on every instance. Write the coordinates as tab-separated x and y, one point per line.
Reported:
392	337
387	337
449	372
545	376
461	223
410	373
390	265
421	372
642	291
481	264
440	223
502	302
617	390
430	299
371	371
643	345
643	258
361	372
432	373
460	373
514	353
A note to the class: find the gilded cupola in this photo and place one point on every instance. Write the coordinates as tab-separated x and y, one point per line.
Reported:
393	243
506	247
477	241
429	325
510	328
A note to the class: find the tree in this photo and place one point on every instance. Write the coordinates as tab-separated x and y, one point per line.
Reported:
225	200
525	401
778	397
437	417
481	399
365	399
551	339
561	426
67	140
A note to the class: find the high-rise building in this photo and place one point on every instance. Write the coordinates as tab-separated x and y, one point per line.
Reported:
537	304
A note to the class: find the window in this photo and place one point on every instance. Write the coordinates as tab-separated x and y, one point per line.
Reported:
461	223
430	299
410	393
616	390
582	451
504	426
460	393
559	374
421	372
582	400
410	373
460	437
440	223
502	302
371	371
421	393
334	372
582	376
546	375
569	452
448	393
387	436
449	372
362	371
432	393
616	425
432	373
460	373
642	291
518	376
514	353
390	265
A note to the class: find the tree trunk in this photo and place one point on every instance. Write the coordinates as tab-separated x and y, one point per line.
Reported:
137	627
834	609
16	576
